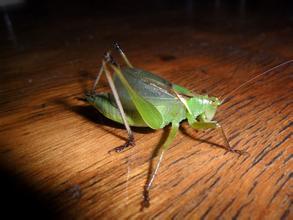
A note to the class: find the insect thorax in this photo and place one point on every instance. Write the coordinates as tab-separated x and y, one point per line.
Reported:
203	106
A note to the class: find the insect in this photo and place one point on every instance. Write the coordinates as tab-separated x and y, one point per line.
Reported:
143	99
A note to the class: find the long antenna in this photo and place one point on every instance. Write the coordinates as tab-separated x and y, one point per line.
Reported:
259	75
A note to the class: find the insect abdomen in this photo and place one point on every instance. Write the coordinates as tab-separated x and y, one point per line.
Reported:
106	107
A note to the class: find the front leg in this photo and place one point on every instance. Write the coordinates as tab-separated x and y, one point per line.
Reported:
207	125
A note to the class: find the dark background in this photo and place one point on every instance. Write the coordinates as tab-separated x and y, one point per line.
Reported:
16	19
50	8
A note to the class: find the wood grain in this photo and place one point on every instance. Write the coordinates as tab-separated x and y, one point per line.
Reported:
56	146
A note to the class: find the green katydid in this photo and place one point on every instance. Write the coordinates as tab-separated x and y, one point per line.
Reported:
147	100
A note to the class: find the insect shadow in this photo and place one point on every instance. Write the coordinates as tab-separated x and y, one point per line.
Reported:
201	140
94	116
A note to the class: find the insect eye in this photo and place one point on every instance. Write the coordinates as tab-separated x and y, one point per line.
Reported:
215	101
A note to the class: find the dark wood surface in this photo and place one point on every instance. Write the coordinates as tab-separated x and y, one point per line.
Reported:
55	148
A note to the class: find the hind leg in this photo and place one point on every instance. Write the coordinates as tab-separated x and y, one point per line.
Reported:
104	69
104	104
120	51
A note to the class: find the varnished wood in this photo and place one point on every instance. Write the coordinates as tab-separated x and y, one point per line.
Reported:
58	146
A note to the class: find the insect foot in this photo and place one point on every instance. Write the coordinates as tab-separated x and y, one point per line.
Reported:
128	143
146	199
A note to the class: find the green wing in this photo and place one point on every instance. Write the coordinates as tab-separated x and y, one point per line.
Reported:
148	111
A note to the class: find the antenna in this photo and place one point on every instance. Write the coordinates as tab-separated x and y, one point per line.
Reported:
257	76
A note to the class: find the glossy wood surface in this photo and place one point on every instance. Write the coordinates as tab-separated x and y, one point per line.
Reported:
56	146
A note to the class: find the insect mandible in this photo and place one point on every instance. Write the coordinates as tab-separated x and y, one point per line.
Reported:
143	99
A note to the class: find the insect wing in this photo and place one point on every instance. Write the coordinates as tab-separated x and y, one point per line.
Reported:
147	110
153	88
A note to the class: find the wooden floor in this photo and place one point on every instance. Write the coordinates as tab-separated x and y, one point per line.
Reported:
54	147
